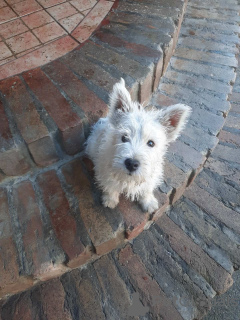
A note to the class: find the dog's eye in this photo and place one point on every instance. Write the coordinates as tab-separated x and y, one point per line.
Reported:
125	139
150	143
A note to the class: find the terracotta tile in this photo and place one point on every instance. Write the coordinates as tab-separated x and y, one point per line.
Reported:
92	20
50	3
2	4
4	51
82	5
23	42
70	23
6	14
49	32
86	12
37	19
7	60
25	7
27	51
62	10
12	28
38	57
12	1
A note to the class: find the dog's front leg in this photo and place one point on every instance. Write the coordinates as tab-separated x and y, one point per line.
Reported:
110	199
148	202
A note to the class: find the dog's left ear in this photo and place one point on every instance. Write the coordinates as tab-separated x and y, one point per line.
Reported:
174	119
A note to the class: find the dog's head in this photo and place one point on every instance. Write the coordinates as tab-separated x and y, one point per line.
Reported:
141	137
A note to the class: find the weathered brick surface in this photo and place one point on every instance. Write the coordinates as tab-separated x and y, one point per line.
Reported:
8	255
175	178
198	68
150	292
213	206
65	223
116	63
28	120
198	82
32	250
184	157
6	138
207	45
92	107
68	122
213	26
15	161
92	212
90	71
169	270
52	299
113	287
206	232
85	301
195	256
194	97
206	57
225	136
218	15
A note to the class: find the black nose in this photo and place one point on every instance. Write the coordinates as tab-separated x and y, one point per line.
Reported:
131	164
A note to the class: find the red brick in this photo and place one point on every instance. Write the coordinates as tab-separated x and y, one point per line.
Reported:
150	292
63	221
92	211
175	178
164	101
158	73
214	207
30	229
146	88
8	255
133	48
86	296
23	308
27	117
93	107
195	257
68	122
206	57
134	218
163	201
15	161
113	287
53	301
189	155
6	139
229	137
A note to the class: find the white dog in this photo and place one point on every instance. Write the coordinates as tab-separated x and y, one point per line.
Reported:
128	147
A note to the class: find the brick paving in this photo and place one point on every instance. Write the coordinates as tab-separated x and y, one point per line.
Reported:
53	220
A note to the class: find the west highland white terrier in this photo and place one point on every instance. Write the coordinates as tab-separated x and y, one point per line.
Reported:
128	147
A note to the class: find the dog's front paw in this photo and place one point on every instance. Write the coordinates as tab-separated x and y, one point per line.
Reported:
150	205
109	201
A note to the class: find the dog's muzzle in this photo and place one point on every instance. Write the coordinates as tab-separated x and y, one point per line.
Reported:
131	164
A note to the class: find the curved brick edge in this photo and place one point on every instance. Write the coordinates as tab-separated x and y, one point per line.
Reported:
109	229
61	46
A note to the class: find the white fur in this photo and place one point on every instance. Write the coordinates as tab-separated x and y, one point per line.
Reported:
108	152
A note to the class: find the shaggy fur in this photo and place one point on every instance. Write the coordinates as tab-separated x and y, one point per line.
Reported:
128	147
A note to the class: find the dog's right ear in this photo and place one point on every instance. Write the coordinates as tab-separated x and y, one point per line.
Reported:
119	100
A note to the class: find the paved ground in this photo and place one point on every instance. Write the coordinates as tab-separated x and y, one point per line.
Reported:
34	32
175	268
227	306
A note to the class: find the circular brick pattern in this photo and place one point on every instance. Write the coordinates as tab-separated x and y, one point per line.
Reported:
35	32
